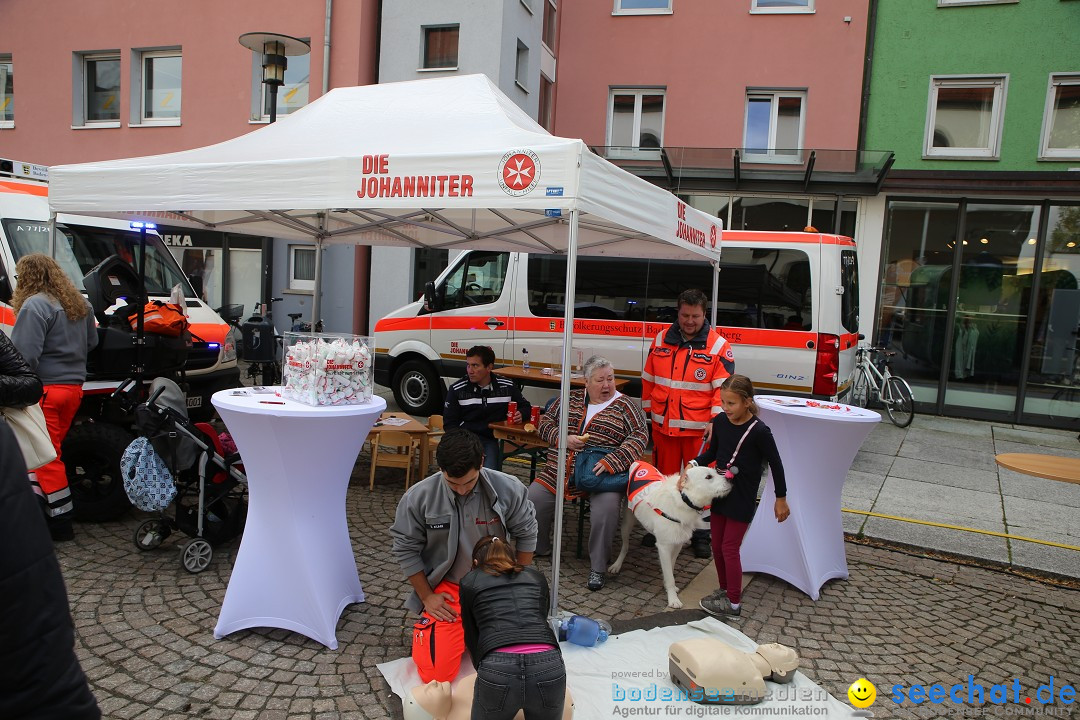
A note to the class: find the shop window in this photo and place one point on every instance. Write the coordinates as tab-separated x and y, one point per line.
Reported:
291	96
643	7
635	119
964	118
775	121
301	267
7	92
1061	120
159	74
441	47
98	74
782	6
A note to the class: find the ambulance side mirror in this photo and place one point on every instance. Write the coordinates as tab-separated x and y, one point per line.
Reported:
432	301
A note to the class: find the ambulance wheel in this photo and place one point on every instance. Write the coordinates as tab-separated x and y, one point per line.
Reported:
91	452
418	388
151	534
196	555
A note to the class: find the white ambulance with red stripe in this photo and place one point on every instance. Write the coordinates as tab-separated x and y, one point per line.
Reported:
787	301
82	243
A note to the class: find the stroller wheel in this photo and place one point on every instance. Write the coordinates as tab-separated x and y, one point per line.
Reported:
151	534
196	555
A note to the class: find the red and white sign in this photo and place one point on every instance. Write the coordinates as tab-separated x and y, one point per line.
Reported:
519	172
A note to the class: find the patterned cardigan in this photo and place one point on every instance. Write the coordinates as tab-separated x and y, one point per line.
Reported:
620	425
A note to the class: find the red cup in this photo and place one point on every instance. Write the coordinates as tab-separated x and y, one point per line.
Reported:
535	416
511	411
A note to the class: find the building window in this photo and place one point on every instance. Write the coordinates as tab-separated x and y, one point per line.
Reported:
7	92
159	81
293	93
781	6
101	89
964	117
643	7
1061	121
547	103
636	119
521	66
775	121
441	47
549	24
301	267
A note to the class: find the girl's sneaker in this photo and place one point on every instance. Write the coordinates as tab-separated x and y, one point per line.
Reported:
716	594
719	607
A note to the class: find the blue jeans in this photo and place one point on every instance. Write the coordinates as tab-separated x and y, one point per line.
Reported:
507	682
492	456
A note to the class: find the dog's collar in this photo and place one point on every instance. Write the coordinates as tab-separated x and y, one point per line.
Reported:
692	505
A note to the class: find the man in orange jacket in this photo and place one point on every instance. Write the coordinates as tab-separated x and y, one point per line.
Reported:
680	389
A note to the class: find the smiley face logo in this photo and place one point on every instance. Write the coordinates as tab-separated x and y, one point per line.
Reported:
862	693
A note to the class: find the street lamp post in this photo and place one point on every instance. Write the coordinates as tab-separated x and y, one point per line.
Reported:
274	49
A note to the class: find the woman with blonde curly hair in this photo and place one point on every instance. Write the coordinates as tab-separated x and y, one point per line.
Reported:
54	331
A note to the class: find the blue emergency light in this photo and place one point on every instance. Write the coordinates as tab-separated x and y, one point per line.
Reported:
137	225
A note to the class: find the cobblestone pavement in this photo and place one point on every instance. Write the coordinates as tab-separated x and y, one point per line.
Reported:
144	625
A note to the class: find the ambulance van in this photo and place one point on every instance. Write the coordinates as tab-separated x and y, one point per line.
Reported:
83	242
788	303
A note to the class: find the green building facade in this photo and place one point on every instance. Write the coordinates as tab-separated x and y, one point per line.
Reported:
979	264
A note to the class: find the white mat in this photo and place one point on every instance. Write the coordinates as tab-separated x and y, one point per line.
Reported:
594	673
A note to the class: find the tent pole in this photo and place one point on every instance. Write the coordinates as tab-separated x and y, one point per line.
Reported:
52	234
715	290
316	304
564	395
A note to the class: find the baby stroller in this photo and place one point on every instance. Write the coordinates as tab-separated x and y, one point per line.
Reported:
210	505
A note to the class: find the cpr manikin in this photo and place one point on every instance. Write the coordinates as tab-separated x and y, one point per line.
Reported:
711	671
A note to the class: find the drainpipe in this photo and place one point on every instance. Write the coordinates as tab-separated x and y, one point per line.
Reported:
868	62
326	48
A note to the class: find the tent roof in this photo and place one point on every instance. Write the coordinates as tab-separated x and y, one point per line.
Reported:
442	163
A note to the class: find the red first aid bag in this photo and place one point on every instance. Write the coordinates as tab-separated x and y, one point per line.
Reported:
161	318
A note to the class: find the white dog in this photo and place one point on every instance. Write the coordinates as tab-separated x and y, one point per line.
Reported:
670	508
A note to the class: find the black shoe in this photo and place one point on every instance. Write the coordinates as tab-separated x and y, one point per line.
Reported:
701	544
649	540
596	580
61	530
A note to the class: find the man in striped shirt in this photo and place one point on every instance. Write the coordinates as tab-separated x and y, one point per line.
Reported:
481	398
680	389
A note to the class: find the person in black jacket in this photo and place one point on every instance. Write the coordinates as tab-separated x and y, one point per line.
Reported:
19	385
740	445
42	679
481	398
504	614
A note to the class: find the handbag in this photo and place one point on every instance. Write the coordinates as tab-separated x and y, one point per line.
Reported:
147	480
28	424
587	480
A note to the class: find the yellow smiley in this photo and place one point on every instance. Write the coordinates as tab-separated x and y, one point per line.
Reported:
862	693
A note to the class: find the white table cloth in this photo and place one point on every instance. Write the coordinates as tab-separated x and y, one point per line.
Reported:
817	443
295	568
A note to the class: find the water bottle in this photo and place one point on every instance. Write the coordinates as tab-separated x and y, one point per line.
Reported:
525	364
584	631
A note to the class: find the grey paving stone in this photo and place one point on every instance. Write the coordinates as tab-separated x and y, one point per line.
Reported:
942	474
967	458
940	503
1014	484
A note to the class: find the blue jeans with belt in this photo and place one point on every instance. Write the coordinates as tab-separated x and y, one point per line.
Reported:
507	682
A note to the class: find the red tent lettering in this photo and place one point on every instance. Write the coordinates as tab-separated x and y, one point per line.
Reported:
379	183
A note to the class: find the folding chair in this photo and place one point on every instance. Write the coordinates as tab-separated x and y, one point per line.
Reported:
391	448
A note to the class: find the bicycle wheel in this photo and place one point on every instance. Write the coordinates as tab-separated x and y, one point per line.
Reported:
1065	405
860	389
899	402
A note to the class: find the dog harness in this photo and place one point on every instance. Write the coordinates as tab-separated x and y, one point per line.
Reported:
642	476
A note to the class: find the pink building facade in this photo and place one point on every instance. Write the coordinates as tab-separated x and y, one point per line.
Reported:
707	59
111	79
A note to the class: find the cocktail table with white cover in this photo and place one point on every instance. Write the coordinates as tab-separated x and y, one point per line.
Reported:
295	568
817	443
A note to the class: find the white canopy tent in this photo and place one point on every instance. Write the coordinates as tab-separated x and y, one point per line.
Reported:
448	163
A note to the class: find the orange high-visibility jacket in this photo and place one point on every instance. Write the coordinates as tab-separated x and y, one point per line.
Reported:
680	385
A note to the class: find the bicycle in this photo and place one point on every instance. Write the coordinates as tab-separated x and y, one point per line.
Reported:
262	346
871	382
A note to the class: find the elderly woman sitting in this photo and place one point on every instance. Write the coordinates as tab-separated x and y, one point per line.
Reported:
598	417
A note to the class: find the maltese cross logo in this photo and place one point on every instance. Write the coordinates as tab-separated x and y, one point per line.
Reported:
519	171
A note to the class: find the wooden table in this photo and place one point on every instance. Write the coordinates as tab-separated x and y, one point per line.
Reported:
521	441
417	430
534	376
1052	467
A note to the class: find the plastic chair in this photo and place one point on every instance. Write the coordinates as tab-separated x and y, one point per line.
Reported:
391	448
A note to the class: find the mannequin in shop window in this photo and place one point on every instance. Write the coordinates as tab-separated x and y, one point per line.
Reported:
967	338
